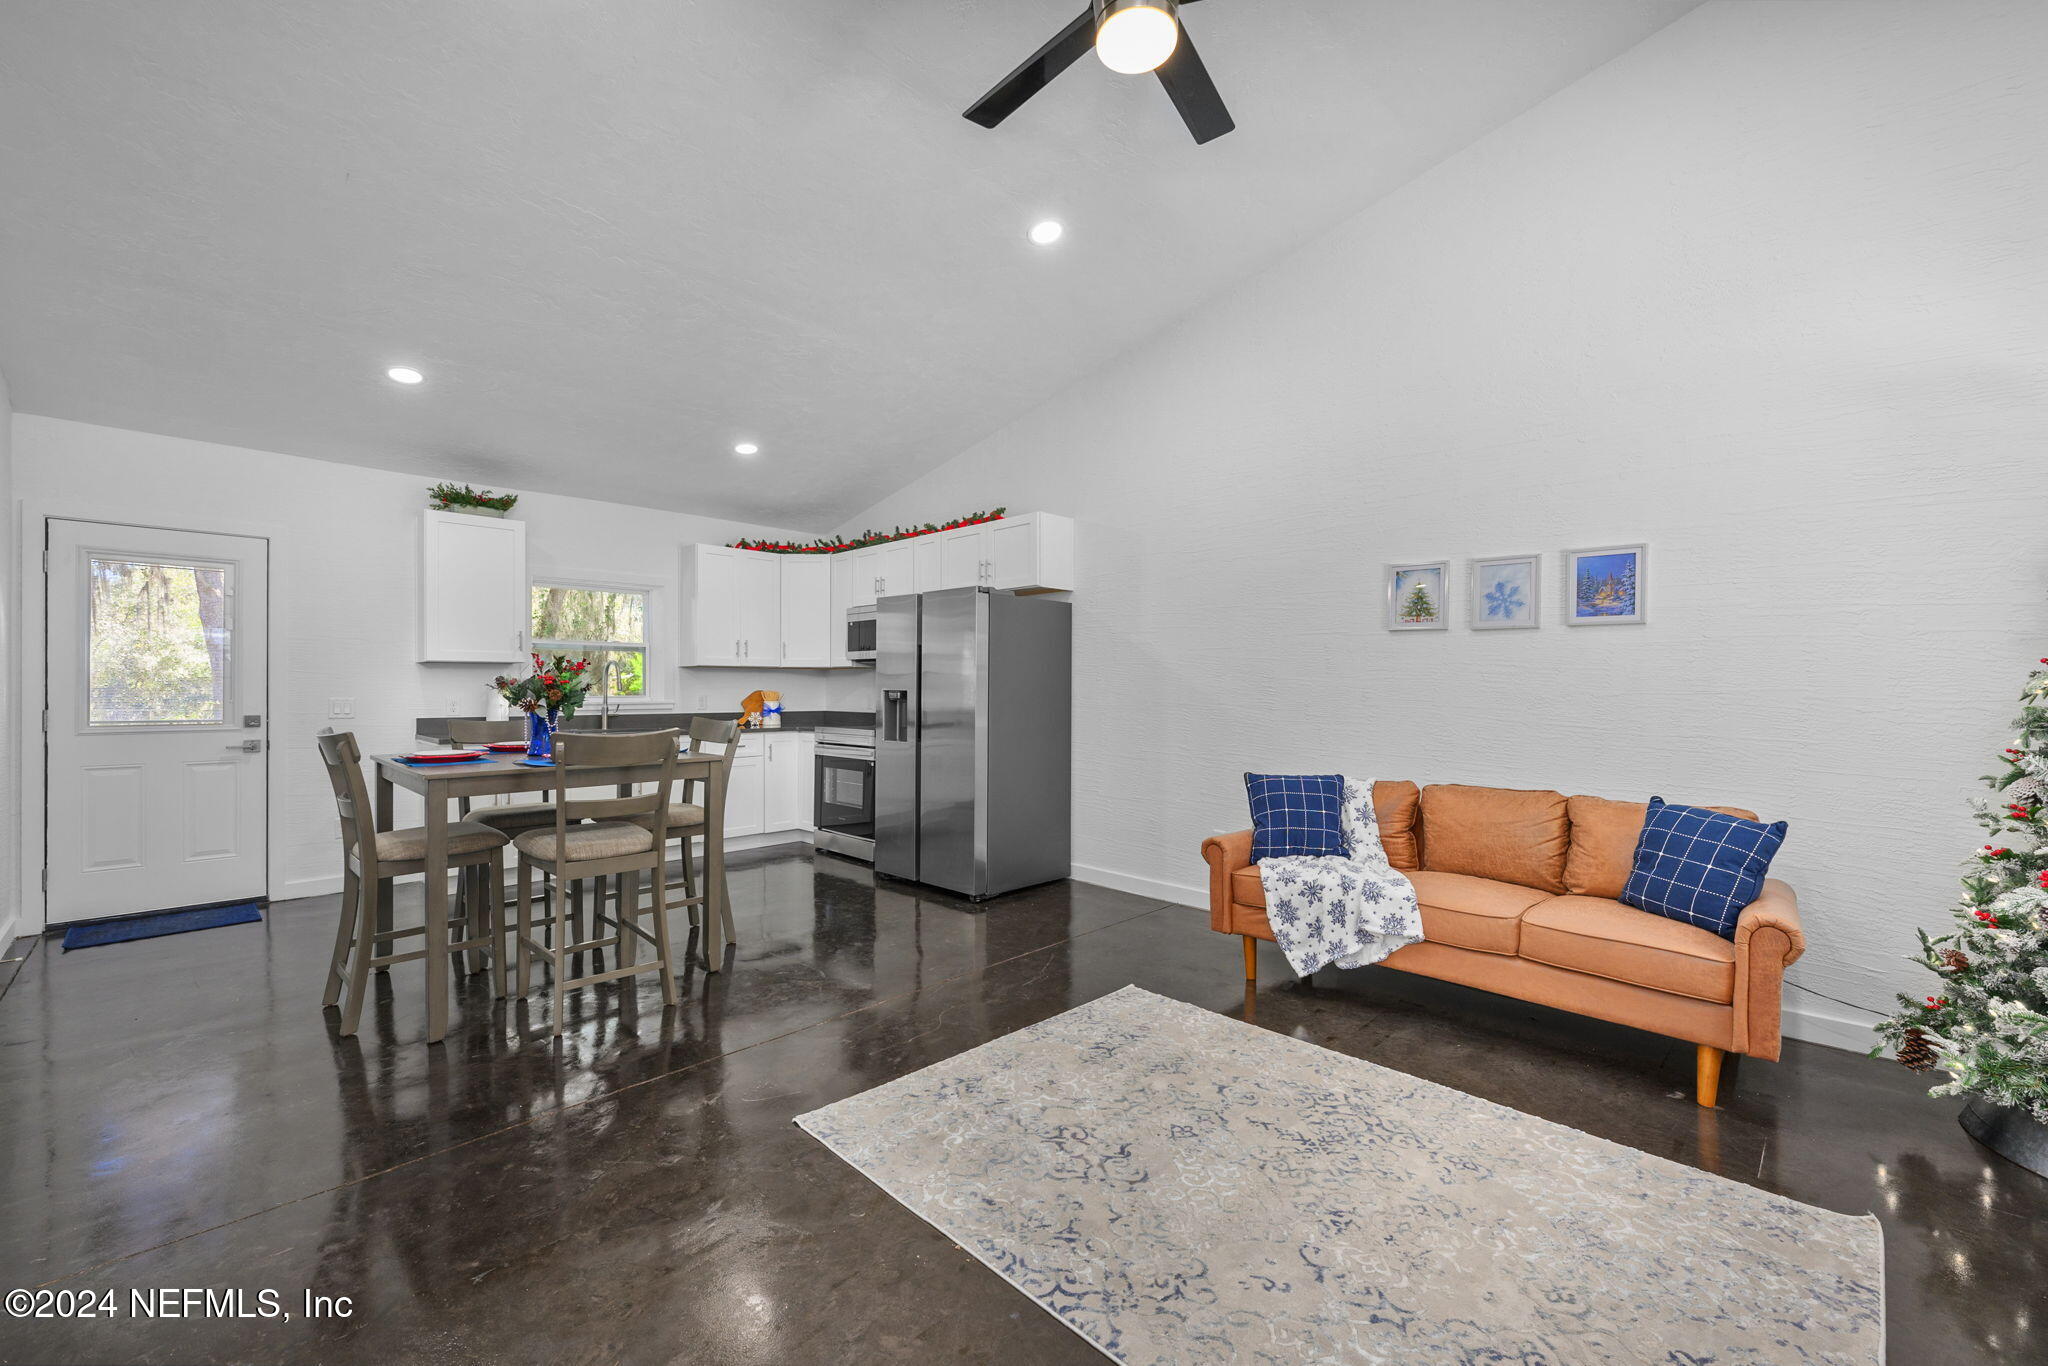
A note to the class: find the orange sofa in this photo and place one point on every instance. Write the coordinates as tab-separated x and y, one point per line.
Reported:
1518	892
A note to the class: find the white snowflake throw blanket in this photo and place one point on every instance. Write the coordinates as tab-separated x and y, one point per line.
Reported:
1341	910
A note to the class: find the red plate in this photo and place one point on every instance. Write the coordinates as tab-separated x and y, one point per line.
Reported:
506	746
445	756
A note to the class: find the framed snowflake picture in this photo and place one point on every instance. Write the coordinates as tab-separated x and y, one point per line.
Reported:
1415	596
1607	586
1505	592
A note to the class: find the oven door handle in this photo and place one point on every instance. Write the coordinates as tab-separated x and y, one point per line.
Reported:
836	752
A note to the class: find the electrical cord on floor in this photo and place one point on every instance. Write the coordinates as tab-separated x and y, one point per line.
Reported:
1838	1000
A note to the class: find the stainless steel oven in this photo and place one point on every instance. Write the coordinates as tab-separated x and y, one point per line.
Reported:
844	792
860	633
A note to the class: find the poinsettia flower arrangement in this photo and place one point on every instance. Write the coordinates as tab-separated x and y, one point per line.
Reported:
559	685
866	538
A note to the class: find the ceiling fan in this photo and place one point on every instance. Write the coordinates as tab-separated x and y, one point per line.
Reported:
1133	37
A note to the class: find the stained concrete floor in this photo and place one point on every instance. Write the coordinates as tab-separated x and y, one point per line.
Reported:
179	1113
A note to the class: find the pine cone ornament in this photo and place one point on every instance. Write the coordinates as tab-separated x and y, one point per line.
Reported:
2026	792
1915	1052
1955	960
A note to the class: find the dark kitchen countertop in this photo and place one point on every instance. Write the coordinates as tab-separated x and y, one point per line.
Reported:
436	727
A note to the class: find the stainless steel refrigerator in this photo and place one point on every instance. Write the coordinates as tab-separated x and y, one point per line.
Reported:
973	739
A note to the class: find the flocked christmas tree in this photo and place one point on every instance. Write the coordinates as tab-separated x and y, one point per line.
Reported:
1986	1023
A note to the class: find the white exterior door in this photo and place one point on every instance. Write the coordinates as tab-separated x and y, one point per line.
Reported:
156	703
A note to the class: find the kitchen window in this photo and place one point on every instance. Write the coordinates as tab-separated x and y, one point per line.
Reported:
601	624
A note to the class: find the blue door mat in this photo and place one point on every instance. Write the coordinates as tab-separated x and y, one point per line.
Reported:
160	923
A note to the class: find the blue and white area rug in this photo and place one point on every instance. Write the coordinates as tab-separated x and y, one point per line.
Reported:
1177	1186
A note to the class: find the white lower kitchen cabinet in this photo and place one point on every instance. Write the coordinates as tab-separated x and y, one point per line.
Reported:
770	789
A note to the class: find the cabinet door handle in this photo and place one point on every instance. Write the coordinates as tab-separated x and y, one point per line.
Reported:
735	648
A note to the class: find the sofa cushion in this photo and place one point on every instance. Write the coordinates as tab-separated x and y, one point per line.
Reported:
1500	833
1295	814
1603	843
1395	805
1601	936
1700	866
1472	912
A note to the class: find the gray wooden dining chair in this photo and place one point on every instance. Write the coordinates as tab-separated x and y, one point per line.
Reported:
370	857
687	819
615	838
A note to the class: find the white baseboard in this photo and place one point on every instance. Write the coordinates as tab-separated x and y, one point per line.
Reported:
1825	1024
1177	893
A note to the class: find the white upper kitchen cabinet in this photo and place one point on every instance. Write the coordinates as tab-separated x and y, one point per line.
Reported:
928	563
863	579
896	569
476	604
843	570
1033	553
806	611
963	556
732	606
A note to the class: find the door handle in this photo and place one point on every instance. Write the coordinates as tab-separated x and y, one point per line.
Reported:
248	747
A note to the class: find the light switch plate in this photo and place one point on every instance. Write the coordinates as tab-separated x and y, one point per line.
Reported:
340	708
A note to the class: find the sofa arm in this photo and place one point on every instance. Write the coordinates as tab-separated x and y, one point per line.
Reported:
1225	855
1768	939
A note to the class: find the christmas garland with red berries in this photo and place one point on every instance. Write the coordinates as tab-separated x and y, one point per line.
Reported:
866	538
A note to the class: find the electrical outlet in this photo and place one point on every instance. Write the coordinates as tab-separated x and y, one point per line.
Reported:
457	707
703	699
340	708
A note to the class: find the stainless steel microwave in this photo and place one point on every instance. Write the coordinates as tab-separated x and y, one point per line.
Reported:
860	633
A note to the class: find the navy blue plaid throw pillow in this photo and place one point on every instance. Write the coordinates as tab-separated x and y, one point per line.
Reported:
1298	813
1700	866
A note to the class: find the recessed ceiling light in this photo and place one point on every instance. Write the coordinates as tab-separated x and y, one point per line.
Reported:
405	374
1048	232
746	448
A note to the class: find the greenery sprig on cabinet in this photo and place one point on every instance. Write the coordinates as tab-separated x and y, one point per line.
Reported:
866	538
447	497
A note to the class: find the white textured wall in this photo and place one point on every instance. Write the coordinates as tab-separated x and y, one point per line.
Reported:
345	591
1770	292
10	664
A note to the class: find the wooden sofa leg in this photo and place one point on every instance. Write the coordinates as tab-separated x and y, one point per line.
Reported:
1251	959
1708	1074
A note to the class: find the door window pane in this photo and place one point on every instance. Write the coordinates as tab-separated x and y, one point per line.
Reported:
157	643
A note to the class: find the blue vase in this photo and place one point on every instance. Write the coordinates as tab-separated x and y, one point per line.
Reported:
540	734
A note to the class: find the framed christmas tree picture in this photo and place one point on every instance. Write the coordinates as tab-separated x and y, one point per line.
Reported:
1415	596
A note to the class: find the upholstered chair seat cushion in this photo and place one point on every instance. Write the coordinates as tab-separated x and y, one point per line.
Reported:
410	845
1502	833
513	819
1473	912
682	818
1700	866
1607	939
581	843
1603	849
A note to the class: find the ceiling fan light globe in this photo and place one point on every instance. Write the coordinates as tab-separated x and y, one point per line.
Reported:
1136	37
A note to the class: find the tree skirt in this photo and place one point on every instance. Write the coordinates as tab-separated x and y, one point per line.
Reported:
1177	1186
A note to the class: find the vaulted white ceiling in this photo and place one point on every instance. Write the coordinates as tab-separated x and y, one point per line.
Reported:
621	235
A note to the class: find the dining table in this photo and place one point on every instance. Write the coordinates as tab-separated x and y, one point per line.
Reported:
501	772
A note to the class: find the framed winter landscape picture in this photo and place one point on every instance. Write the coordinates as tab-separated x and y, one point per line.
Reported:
1607	586
1415	596
1505	593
